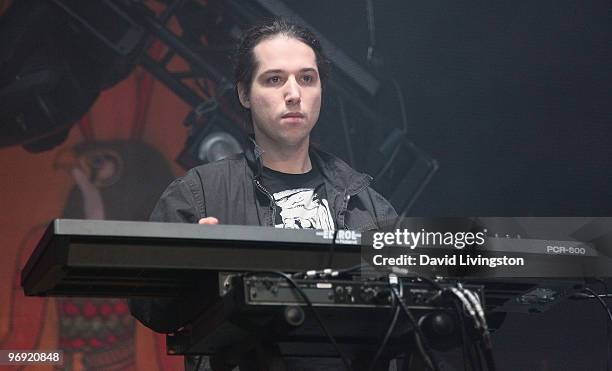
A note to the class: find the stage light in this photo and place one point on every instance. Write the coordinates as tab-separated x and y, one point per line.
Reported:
217	146
212	136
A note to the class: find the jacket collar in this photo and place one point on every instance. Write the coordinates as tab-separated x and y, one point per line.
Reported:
335	171
253	153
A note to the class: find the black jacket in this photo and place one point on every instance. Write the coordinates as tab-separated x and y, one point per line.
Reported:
231	191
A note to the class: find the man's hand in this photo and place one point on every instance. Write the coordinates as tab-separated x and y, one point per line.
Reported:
209	220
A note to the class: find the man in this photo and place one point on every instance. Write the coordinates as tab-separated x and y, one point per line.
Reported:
280	180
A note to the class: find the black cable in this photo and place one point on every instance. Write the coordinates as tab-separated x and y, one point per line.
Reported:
608	325
488	356
603	303
387	336
418	334
328	273
393	323
582	296
475	349
465	341
408	274
607	309
352	269
472	307
345	360
330	256
475	311
486	336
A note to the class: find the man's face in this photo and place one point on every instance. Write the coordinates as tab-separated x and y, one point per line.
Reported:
285	95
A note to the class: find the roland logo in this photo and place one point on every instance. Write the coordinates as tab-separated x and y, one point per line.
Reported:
343	236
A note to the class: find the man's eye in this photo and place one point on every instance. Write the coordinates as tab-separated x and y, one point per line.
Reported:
273	80
307	78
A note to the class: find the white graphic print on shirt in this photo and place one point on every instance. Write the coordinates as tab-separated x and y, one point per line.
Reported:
302	208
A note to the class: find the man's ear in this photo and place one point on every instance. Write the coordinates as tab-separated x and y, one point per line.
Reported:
243	96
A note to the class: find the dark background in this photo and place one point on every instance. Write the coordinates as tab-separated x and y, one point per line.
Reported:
512	97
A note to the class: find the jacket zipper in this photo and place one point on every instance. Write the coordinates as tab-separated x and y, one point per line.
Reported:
342	210
346	202
272	202
345	208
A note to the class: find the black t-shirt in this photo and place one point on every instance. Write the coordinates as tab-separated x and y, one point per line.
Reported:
301	200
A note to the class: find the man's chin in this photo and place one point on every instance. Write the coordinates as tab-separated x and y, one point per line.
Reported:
287	138
295	141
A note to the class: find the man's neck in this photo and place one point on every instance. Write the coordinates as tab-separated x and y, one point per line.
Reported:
289	160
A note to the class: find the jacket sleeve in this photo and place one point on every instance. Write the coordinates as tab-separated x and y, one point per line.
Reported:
178	204
385	214
181	202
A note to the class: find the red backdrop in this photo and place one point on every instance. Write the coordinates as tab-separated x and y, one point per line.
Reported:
34	190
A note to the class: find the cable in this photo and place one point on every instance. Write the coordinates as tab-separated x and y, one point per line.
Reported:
345	360
418	334
465	341
387	336
467	304
330	256
405	272
476	305
475	349
467	300
484	331
328	272
486	335
603	303
608	324
352	269
475	310
607	309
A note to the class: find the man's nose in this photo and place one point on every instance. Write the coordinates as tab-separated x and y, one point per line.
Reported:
292	93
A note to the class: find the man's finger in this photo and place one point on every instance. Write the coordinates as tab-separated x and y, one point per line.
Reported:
209	220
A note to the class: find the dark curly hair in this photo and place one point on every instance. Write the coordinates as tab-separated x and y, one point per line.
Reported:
245	63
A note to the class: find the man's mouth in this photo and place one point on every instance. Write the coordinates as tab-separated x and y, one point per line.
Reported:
293	115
